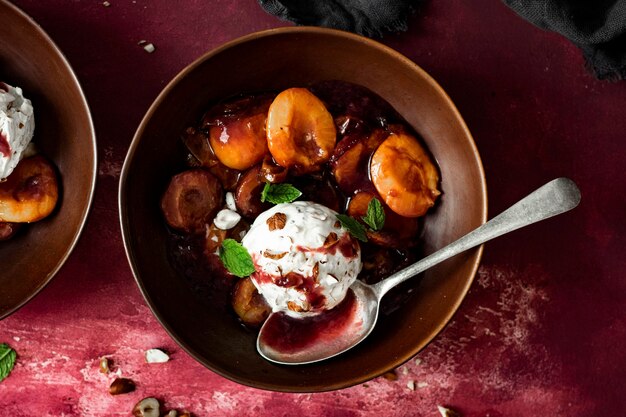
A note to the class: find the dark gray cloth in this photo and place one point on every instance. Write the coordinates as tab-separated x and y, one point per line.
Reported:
597	27
366	17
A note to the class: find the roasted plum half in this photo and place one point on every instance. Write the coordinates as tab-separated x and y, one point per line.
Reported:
237	131
301	132
192	200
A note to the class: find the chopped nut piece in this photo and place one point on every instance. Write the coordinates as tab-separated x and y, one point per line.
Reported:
271	255
411	385
390	376
294	307
106	3
148	407
446	412
121	386
172	413
149	48
226	219
331	239
104	365
277	221
156	356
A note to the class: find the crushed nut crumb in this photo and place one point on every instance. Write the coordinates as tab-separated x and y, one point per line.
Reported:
331	239
390	376
121	386
149	48
106	3
104	365
446	412
277	221
156	356
295	307
411	385
271	255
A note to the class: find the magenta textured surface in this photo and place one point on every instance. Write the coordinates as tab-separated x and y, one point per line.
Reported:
542	330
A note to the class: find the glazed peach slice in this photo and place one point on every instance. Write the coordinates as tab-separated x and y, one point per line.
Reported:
350	159
30	193
301	132
404	175
238	138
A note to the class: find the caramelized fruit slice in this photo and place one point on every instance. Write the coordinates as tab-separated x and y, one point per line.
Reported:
191	200
397	232
197	142
238	135
349	162
248	194
271	172
300	131
8	230
30	193
404	175
249	304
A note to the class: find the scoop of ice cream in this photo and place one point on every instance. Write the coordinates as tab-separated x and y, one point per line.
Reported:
305	261
17	124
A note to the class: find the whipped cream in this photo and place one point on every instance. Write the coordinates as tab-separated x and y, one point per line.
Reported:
17	124
305	261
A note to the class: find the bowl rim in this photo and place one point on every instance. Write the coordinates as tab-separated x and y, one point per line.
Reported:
122	204
94	172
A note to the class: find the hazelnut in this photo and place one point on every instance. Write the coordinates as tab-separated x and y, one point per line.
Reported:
446	412
156	356
121	386
148	407
277	221
104	365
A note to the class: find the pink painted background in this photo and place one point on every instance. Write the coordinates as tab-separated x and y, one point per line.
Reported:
541	333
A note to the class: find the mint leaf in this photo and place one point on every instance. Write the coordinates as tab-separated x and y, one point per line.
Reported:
7	360
236	258
355	228
375	216
279	193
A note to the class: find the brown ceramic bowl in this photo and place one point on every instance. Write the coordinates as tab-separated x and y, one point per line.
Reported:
273	60
63	133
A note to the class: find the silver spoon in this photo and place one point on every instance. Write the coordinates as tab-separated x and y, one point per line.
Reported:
556	197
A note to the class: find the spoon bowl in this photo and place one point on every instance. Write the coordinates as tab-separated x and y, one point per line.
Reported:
288	340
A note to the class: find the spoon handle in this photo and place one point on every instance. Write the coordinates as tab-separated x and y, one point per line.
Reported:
556	197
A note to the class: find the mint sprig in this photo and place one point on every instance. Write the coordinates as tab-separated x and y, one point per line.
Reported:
375	216
236	258
279	193
353	226
7	360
